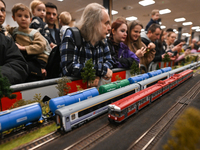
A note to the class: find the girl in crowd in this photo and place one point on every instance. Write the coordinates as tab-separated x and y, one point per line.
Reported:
146	55
171	37
120	52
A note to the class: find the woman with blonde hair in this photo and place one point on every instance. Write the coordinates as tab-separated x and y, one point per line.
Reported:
135	44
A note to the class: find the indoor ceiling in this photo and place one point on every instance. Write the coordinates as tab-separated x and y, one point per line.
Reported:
189	9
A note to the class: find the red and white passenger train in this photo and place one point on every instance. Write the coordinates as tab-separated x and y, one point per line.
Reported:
124	108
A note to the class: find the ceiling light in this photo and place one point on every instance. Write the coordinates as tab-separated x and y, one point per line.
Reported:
198	30
131	18
164	11
114	12
162	27
179	19
174	30
195	28
186	34
60	0
187	23
146	2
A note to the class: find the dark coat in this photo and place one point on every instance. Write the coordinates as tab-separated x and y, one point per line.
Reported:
12	63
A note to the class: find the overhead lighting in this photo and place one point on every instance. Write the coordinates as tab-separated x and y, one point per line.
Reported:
114	12
131	18
160	23
179	19
198	30
60	0
186	34
174	30
146	2
187	23
162	27
195	27
164	11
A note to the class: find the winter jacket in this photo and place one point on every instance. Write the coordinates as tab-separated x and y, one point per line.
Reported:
12	63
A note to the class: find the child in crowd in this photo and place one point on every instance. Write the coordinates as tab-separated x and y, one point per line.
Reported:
31	48
155	15
64	20
38	10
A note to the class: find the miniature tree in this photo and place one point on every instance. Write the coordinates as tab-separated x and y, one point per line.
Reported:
63	88
134	68
166	58
5	90
89	73
185	133
187	59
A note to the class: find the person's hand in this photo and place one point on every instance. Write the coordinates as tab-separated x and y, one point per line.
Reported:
151	46
22	48
178	47
52	45
187	52
94	83
140	53
108	74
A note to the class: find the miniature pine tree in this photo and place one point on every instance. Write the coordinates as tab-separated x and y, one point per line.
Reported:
89	72
182	63
166	58
185	133
63	88
5	90
187	59
134	69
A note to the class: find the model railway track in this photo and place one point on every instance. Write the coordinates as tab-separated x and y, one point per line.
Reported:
93	138
41	141
151	136
22	132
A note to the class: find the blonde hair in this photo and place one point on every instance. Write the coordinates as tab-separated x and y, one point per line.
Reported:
34	4
90	22
65	17
20	6
154	11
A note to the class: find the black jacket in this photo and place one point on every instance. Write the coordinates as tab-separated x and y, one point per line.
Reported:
12	63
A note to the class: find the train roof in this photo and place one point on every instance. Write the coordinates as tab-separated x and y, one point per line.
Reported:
67	110
153	79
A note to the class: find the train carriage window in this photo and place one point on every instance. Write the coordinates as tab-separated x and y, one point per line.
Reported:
73	116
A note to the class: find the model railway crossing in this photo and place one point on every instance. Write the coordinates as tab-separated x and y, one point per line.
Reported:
150	137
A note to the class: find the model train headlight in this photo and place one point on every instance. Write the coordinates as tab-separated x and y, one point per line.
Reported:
109	116
115	118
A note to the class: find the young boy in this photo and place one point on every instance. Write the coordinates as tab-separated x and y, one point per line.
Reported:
38	10
32	49
64	20
155	15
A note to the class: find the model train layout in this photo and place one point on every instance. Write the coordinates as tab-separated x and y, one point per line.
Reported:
76	108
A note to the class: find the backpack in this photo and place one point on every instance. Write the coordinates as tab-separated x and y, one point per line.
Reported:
47	49
53	66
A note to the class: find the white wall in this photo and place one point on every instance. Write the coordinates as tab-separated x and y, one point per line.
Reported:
9	20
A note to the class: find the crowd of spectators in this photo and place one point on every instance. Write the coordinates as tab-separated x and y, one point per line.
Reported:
25	49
